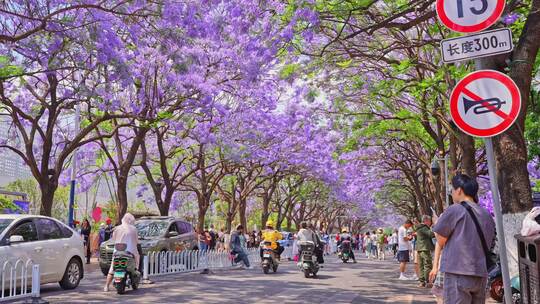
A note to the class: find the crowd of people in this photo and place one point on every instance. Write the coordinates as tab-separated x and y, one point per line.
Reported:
448	253
211	239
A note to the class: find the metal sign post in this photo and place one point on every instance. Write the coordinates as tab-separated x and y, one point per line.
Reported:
498	219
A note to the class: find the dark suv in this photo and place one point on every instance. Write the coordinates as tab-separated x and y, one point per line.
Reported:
156	233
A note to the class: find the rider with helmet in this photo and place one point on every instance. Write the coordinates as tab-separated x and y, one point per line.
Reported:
273	236
345	236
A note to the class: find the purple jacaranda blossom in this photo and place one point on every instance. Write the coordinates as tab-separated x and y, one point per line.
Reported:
511	18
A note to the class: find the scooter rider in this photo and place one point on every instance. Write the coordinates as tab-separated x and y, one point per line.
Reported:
237	249
273	236
126	233
305	234
345	236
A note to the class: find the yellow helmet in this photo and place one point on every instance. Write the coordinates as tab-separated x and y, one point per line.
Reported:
269	223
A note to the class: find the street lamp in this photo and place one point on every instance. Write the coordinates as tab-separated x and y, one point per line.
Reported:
436	170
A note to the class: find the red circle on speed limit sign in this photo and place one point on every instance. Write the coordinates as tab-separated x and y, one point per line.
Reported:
469	16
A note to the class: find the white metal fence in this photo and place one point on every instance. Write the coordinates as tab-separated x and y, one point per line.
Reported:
17	279
287	253
170	262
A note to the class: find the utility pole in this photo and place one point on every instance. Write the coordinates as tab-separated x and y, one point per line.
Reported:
73	172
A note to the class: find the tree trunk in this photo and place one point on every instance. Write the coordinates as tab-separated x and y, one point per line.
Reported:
201	215
265	214
468	154
242	212
228	222
165	204
47	197
121	192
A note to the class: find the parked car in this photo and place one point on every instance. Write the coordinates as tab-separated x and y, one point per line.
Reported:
156	233
58	249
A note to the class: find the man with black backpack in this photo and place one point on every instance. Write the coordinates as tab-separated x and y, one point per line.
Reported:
466	232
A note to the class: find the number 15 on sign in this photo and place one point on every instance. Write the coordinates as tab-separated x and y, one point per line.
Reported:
469	16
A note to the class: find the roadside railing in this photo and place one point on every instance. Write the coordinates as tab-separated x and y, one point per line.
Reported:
287	253
171	262
17	279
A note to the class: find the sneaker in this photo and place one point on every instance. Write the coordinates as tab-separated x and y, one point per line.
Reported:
403	277
250	267
106	289
414	278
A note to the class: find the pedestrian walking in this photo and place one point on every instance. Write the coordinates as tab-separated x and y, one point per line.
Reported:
237	249
414	252
464	231
227	240
404	249
101	233
86	229
424	247
374	246
204	240
368	242
394	242
326	239
108	229
361	243
380	244
213	238
221	240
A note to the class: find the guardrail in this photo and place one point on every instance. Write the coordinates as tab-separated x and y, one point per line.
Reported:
171	262
287	253
16	280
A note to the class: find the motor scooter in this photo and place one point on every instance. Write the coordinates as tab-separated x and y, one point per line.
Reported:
124	272
496	287
269	258
308	261
344	252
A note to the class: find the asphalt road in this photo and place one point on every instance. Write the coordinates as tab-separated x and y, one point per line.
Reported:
366	282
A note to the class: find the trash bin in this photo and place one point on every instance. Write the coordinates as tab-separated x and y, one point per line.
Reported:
529	268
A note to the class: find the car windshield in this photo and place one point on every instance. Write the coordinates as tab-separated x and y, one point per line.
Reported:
150	228
4	223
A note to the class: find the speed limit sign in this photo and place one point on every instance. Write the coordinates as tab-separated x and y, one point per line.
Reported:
469	16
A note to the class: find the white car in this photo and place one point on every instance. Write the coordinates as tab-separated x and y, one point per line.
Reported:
58	249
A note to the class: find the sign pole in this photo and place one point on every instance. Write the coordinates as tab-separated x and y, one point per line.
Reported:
498	220
497	209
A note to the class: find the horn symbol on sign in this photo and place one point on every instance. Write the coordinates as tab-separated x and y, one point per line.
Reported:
483	106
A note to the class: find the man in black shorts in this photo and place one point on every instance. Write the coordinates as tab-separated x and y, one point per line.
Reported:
403	248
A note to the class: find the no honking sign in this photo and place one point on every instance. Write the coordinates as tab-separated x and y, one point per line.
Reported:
485	103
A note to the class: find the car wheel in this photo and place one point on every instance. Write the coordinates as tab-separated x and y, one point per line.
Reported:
72	275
